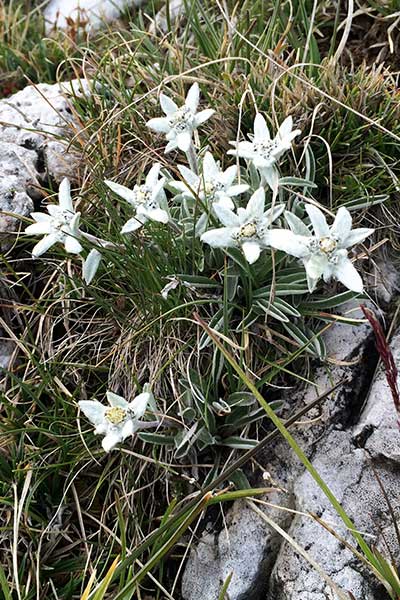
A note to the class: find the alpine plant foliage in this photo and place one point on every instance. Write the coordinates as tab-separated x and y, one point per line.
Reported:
247	220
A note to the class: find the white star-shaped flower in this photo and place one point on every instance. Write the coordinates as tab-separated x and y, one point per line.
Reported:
263	151
61	225
148	200
213	186
119	420
324	254
248	229
180	122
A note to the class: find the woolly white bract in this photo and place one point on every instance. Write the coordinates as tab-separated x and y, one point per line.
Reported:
148	200
324	254
248	229
61	225
263	151
119	420
180	122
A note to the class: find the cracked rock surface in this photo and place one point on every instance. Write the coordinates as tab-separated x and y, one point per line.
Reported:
353	434
33	146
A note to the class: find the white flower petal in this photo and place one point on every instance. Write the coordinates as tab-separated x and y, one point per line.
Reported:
203	116
140	403
168	105
64	195
133	224
272	214
262	163
45	243
193	97
251	251
152	175
342	224
172	145
226	216
55	210
201	225
228	176
296	224
122	191
39	228
91	265
158	193
210	167
256	204
159	124
116	400
191	178
311	283
285	128
261	131
127	429
346	273
184	140
287	241
235	190
157	214
271	176
73	226
243	150
72	245
111	440
40	217
178	187
93	410
355	237
220	238
225	202
316	265
101	429
318	221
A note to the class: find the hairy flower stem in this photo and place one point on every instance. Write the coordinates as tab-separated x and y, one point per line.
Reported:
192	159
99	241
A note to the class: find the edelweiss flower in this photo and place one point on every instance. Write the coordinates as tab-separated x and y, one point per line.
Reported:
148	200
60	225
248	229
213	187
263	151
324	254
180	122
119	420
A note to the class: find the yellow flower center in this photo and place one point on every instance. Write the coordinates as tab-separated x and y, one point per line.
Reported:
327	245
115	415
248	231
143	194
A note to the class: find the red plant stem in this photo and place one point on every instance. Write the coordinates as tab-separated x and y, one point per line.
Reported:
387	358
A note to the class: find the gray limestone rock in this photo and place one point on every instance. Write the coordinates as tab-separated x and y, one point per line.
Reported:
348	461
349	439
95	14
34	124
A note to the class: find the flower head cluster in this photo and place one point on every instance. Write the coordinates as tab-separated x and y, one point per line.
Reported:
213	186
264	151
60	225
147	199
247	229
180	121
324	253
214	194
120	419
